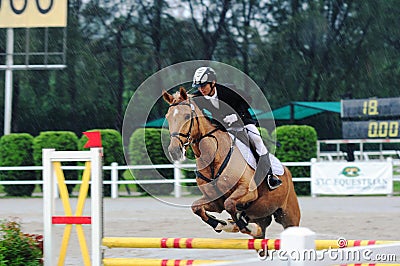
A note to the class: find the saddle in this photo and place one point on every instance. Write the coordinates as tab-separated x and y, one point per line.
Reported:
241	134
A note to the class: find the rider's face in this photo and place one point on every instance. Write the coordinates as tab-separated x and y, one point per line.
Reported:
206	89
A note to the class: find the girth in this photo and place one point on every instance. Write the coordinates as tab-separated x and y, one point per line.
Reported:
221	168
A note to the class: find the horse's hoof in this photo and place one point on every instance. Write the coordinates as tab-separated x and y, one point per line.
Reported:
252	229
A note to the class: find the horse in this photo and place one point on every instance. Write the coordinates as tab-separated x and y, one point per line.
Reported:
223	175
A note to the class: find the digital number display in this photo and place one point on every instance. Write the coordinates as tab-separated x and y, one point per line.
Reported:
378	129
371	108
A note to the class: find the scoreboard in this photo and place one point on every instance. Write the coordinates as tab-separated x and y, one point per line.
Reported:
370	118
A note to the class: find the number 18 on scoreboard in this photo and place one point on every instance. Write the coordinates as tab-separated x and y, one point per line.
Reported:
370	118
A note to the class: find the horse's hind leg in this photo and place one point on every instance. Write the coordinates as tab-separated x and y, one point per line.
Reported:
290	215
263	223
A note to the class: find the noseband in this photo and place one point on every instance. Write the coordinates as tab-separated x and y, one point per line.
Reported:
188	134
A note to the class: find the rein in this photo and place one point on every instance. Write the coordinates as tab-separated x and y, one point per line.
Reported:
190	141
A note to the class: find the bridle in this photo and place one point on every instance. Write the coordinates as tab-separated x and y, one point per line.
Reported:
187	135
190	140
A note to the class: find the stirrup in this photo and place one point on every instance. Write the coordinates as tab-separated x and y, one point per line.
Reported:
276	182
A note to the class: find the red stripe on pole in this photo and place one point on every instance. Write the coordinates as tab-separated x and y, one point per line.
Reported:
164	262
190	262
71	220
371	242
177	262
357	243
164	242
250	244
277	244
176	242
189	243
264	244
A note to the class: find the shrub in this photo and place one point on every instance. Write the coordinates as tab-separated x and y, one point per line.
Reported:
145	147
61	141
268	140
112	149
298	144
16	150
17	248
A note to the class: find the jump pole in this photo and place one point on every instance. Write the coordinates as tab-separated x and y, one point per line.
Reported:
51	160
214	243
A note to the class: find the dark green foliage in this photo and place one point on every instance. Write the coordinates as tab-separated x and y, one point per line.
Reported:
298	144
17	248
16	150
146	147
112	150
58	140
301	51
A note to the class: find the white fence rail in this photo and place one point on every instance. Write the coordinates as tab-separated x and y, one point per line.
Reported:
116	181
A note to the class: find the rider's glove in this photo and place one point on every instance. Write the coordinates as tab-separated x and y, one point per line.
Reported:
229	119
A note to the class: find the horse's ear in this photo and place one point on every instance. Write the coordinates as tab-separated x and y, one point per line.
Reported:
183	93
167	97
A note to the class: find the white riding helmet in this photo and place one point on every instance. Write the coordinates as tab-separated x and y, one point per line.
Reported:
202	76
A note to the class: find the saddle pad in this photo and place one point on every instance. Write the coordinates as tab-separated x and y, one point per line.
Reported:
277	167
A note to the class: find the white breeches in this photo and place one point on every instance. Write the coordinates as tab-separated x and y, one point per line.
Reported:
255	139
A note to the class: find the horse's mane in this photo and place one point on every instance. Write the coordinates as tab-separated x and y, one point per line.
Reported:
178	97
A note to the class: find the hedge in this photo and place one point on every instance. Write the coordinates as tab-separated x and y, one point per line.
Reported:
298	144
61	141
146	147
16	150
112	149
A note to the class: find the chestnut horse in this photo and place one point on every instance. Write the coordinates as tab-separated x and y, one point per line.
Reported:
223	176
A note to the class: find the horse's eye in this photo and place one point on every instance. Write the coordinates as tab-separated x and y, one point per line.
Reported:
187	117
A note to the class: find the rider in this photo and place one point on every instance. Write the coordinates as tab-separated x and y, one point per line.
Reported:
231	110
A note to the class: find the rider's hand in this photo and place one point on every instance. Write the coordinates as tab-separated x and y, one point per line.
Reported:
229	119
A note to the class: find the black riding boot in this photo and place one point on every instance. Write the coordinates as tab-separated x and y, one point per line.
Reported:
263	170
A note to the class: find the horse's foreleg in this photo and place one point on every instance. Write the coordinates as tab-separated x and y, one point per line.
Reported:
241	196
200	208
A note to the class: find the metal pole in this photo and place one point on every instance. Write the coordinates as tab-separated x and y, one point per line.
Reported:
177	179
9	82
97	205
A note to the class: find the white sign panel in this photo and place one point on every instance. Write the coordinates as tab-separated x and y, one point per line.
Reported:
351	178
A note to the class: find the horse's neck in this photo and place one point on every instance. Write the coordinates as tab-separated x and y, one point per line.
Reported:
214	146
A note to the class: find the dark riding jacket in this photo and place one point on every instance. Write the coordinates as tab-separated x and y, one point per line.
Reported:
230	102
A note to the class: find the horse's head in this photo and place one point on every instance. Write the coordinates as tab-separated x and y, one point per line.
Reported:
180	116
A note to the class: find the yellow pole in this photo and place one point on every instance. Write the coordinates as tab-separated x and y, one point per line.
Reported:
212	243
156	262
67	209
68	212
196	243
79	210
